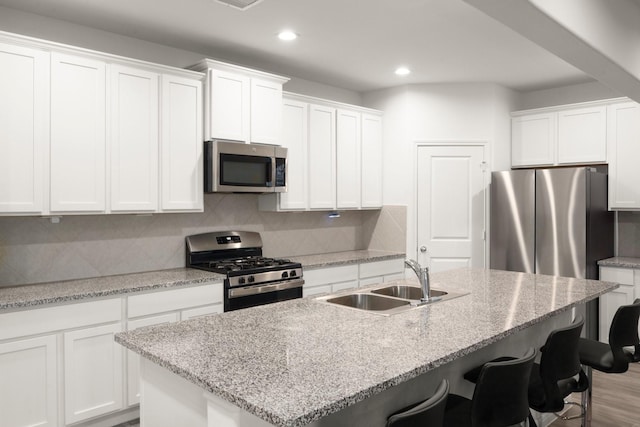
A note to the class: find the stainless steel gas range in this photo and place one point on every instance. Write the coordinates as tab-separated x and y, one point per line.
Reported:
251	279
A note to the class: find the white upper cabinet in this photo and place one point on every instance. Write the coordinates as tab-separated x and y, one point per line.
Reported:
533	140
241	104
623	141
371	161
182	163
563	135
24	128
334	157
322	155
266	114
134	139
582	135
348	149
78	134
228	98
81	132
295	118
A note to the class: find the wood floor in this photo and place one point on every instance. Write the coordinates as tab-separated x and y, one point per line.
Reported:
615	400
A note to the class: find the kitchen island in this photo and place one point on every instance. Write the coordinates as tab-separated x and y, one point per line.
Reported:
306	361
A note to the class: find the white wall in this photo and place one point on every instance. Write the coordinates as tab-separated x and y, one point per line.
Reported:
37	26
448	113
583	92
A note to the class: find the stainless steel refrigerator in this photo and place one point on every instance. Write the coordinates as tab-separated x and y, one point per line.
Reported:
552	221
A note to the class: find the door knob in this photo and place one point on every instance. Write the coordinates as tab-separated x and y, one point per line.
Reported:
423	249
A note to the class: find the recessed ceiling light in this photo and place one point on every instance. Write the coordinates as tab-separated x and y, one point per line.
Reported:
402	71
287	35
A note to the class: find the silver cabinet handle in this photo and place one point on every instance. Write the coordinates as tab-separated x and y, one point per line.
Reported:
423	248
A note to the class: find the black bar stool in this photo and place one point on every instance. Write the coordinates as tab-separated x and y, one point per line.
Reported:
613	358
425	414
553	379
499	398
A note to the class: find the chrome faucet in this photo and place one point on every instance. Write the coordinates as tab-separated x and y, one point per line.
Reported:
423	277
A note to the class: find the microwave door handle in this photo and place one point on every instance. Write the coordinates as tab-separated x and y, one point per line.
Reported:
273	173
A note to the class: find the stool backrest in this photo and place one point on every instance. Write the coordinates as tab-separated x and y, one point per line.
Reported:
560	360
426	414
624	332
500	397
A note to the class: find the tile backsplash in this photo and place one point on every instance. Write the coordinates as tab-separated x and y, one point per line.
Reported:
628	234
35	250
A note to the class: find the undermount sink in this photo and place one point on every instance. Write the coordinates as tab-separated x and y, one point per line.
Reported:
368	302
387	300
407	292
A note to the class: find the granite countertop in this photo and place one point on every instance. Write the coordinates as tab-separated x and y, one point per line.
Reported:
626	262
294	362
341	258
28	296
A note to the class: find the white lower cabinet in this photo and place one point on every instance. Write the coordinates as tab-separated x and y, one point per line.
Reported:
133	360
629	290
28	389
381	271
92	372
330	279
60	364
161	307
334	279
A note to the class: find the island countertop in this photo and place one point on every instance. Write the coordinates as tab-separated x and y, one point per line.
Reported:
294	362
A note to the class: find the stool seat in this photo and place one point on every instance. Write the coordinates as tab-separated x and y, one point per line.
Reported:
614	358
598	355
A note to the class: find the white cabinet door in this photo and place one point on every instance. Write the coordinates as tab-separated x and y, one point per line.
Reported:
610	301
582	135
348	145
78	141
533	139
266	111
371	161
28	389
181	141
134	140
229	103
92	372
294	137
322	153
133	360
24	128
623	136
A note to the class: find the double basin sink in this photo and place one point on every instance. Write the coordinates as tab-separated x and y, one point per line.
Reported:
387	299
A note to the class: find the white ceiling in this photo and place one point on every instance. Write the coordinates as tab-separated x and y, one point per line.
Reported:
353	44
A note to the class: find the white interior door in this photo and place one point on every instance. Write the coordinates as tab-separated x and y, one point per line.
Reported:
451	206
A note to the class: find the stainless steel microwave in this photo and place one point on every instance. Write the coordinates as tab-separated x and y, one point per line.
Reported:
234	167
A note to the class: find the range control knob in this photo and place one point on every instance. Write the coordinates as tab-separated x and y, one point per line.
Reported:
293	273
251	279
241	280
285	275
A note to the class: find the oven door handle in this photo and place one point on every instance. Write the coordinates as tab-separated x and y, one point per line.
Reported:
261	289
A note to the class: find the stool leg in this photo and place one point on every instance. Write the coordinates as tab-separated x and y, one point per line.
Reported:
586	399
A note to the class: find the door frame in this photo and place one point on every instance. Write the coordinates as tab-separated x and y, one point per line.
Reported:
486	185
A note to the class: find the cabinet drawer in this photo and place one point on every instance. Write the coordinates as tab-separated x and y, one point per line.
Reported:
68	316
329	275
381	268
175	299
624	276
307	291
